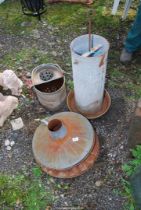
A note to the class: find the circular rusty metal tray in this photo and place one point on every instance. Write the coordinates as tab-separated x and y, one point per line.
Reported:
79	169
65	147
105	105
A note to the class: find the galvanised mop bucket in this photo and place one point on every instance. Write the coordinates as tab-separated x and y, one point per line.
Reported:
49	85
89	73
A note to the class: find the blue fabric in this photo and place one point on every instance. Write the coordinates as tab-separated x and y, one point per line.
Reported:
133	40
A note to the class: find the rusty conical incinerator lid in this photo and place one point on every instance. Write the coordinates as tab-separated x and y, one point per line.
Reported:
65	141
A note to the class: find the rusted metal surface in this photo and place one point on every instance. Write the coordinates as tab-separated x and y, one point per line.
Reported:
64	142
54	125
102	60
134	137
79	169
138	109
90	34
49	84
104	108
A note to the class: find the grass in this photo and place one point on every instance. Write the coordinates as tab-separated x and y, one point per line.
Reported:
27	57
63	14
12	17
129	169
70	84
24	191
124	80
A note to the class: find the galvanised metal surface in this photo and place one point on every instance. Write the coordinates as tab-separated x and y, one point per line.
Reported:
89	72
74	143
79	169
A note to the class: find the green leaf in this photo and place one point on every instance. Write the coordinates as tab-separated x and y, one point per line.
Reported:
127	169
132	207
37	172
70	84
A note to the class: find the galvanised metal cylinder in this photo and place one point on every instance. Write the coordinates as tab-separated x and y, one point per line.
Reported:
89	73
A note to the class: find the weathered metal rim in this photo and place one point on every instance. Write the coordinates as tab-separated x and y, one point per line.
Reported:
105	106
44	93
85	35
41	67
78	169
38	69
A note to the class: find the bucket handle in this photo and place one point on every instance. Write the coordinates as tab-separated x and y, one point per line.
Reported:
63	71
102	60
43	121
58	67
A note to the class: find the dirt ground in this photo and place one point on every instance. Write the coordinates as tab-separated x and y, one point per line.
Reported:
83	192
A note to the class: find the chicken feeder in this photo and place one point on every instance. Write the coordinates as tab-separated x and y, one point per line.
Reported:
89	74
49	85
65	145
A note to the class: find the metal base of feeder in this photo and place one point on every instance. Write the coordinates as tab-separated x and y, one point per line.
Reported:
80	168
105	106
